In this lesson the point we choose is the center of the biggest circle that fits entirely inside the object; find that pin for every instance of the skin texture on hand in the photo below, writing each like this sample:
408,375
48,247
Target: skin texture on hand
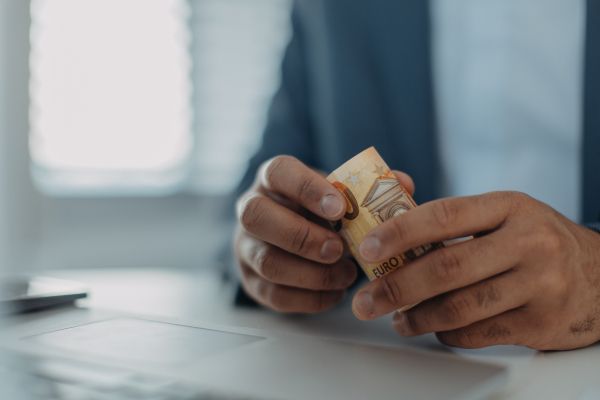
529,276
289,257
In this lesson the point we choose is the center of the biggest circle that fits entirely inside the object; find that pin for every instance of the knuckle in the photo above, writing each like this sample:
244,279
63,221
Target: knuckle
466,338
545,239
555,285
252,212
517,201
553,242
272,174
549,322
300,238
495,333
515,196
267,264
307,190
486,295
446,266
389,291
275,297
262,290
456,309
518,197
445,212
329,278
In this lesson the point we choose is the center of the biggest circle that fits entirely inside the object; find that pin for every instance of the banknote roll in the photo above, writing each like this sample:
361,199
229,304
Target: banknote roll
373,195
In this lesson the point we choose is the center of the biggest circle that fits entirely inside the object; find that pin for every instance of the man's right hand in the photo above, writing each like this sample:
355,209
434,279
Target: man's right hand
289,257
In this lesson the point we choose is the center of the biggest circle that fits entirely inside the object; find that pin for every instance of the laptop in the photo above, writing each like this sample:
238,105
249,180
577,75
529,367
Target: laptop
78,353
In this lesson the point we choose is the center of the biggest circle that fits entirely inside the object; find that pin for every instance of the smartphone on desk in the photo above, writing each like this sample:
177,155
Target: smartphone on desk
20,294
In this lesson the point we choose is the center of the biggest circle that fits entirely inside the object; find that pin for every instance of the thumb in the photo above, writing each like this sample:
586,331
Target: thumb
406,181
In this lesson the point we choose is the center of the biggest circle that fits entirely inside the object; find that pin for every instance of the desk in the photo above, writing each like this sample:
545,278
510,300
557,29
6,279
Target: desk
202,296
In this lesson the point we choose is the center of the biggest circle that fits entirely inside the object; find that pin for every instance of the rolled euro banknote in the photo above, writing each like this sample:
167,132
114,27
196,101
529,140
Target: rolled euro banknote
373,195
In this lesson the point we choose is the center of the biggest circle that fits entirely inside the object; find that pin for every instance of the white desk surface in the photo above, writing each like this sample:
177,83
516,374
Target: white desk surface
201,296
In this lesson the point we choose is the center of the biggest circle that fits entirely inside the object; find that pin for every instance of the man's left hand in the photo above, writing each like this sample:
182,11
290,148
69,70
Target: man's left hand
529,277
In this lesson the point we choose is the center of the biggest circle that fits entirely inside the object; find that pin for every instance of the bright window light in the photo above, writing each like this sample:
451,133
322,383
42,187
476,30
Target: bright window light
110,96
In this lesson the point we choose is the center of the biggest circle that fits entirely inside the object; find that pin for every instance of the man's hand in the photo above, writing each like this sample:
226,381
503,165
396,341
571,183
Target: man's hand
530,276
289,257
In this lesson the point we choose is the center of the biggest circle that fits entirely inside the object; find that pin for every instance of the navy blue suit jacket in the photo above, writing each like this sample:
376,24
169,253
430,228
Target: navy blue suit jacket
357,73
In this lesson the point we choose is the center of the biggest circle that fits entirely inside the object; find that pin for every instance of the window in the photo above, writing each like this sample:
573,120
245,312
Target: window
110,95
149,97
140,99
237,50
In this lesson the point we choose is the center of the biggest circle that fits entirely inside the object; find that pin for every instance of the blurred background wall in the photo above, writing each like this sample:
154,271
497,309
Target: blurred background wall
126,124
20,202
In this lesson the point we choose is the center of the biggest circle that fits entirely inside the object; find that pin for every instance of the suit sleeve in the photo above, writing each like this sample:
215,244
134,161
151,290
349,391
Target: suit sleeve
288,129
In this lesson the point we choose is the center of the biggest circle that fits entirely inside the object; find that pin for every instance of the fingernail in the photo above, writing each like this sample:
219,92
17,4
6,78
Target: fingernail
362,305
331,206
400,323
331,250
370,247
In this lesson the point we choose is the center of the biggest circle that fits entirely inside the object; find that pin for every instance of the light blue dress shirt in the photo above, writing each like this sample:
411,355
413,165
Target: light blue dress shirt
508,78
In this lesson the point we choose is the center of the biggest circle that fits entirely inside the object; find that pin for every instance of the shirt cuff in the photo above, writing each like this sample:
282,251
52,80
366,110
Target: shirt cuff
595,226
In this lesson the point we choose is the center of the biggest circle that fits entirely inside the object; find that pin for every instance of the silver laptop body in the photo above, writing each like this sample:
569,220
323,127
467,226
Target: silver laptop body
93,354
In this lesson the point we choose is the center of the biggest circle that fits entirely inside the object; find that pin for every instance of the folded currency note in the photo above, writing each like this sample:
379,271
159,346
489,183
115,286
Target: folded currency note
373,195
